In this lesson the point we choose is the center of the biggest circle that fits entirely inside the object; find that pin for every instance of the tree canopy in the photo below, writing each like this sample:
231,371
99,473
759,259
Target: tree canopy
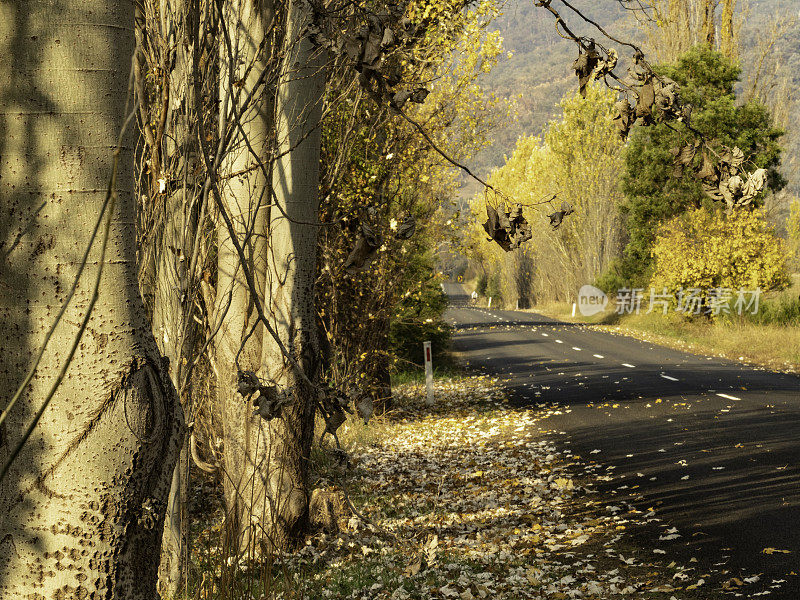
653,190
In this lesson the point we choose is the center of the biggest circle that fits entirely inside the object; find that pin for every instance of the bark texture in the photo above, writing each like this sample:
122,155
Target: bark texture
81,509
176,266
293,232
245,196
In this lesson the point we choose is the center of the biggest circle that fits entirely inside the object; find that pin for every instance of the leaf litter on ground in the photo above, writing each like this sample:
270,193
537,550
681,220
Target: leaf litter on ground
475,498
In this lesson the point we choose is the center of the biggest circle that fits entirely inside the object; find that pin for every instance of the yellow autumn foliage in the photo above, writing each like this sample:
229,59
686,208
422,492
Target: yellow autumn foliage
703,249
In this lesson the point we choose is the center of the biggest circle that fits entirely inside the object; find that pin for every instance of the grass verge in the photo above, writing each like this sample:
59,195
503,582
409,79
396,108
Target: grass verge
770,339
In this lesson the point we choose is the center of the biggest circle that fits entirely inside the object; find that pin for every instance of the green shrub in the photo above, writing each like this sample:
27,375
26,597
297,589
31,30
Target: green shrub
483,281
611,280
781,311
419,319
494,289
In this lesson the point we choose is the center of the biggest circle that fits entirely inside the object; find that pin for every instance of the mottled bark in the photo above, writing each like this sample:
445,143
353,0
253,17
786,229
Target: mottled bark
293,232
82,507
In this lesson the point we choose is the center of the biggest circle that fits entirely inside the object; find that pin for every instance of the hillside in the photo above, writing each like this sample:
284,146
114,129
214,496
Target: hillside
538,73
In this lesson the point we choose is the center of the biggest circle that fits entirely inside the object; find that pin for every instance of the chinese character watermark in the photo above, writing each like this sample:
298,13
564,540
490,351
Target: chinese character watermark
629,300
689,301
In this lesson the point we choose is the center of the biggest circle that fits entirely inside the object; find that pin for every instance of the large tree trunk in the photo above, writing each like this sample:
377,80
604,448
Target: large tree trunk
81,508
293,232
245,196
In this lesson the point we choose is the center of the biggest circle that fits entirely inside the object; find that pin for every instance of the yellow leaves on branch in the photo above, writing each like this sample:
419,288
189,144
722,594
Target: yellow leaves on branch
433,10
703,249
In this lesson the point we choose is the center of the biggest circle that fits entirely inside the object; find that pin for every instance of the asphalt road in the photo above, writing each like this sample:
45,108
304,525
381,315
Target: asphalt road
712,445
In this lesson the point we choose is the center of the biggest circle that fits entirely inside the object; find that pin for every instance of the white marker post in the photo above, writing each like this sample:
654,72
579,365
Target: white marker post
426,348
490,303
574,306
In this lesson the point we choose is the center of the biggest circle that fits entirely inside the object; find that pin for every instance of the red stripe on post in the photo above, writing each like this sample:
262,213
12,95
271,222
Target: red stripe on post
427,355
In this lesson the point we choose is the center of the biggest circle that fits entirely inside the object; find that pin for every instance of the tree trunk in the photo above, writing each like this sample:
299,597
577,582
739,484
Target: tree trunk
709,22
82,506
727,31
245,196
175,331
293,233
176,256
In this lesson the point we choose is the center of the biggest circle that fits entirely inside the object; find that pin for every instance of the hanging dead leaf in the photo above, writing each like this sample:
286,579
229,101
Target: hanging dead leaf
418,95
494,230
623,118
684,157
334,420
364,252
389,38
645,101
707,169
666,102
711,189
269,402
753,186
557,217
247,383
520,228
406,228
686,114
585,65
372,54
609,64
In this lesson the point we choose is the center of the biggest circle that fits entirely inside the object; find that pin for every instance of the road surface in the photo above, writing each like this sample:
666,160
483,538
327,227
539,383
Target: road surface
711,444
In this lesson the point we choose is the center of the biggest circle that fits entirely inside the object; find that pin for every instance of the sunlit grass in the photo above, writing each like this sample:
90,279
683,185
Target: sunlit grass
771,338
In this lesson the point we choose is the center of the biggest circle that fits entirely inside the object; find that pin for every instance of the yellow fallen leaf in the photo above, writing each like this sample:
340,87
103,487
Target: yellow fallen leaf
775,551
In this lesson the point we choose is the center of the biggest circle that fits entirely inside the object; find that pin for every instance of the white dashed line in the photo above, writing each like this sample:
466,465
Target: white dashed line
668,377
629,366
598,355
545,335
559,342
576,348
727,397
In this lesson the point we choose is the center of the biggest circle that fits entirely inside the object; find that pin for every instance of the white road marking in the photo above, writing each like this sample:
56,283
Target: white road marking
629,366
559,342
545,335
668,377
576,348
598,355
727,397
